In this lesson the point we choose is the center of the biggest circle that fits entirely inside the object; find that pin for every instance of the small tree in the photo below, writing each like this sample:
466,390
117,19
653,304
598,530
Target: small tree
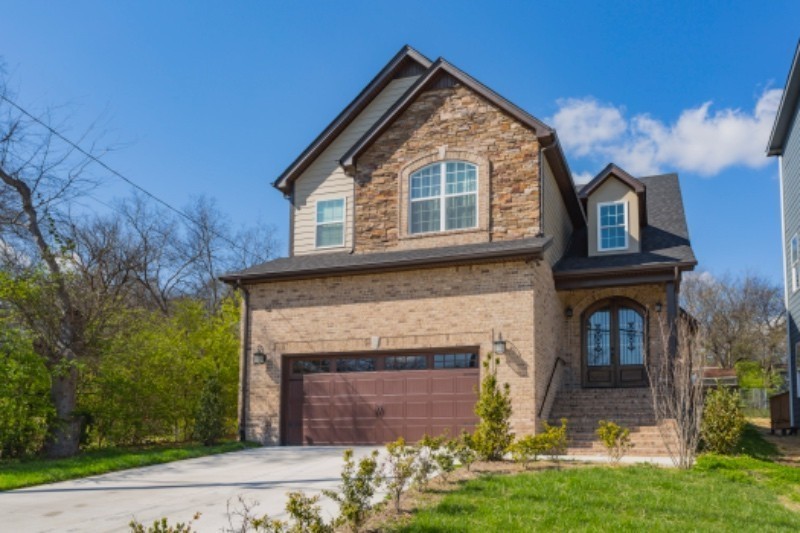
210,420
677,389
615,438
427,449
398,469
354,495
463,449
493,434
527,449
723,421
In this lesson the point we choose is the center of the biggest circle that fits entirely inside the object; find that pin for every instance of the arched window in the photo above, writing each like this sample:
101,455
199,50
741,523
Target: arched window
614,342
443,196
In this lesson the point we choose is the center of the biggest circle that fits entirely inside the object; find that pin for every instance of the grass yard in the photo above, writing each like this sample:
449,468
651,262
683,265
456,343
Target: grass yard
18,474
741,493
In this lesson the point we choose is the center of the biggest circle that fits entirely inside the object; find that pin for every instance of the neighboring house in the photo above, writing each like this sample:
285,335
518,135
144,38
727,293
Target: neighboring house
432,222
785,143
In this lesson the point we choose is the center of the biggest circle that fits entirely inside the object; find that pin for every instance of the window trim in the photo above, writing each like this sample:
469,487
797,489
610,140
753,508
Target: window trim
443,196
794,262
600,226
317,223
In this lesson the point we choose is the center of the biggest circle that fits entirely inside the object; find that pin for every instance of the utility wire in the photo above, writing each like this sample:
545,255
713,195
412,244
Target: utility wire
118,174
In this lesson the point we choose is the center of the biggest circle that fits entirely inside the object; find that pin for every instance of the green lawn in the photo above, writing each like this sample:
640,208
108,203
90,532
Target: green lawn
18,474
741,493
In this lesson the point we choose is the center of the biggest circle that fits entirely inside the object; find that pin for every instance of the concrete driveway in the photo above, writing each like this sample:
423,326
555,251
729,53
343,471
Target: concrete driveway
176,490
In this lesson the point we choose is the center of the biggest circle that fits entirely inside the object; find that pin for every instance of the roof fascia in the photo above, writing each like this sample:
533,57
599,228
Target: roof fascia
787,108
347,115
440,67
532,253
620,276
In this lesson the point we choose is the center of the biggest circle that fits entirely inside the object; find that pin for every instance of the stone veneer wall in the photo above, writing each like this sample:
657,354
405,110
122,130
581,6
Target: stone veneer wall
452,119
432,308
580,300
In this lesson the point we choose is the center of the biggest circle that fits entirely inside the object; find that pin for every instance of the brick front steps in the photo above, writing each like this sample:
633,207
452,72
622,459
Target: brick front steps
631,408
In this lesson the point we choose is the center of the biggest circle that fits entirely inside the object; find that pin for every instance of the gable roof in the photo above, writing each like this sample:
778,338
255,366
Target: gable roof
435,73
788,108
406,60
613,170
665,240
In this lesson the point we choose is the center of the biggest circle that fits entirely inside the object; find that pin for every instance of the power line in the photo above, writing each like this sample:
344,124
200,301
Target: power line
118,174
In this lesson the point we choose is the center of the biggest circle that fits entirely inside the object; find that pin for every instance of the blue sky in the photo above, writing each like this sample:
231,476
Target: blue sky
218,98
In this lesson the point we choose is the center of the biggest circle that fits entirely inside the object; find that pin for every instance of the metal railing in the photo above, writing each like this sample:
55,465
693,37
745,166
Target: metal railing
550,383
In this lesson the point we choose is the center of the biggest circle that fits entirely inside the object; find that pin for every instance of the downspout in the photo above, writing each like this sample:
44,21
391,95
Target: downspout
353,218
245,374
792,371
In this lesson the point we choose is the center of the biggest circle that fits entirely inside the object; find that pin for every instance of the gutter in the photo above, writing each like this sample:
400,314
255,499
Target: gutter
245,370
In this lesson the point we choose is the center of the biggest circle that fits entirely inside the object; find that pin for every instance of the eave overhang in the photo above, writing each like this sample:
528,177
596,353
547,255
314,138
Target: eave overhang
787,109
621,276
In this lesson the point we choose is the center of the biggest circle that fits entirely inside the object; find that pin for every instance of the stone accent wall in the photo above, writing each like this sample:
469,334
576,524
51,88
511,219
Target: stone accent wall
432,308
454,119
580,300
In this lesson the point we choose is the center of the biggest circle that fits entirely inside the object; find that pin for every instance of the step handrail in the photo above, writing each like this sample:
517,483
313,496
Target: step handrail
550,382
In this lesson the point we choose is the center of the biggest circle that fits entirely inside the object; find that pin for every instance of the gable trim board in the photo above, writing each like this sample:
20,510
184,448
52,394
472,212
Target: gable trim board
786,110
393,68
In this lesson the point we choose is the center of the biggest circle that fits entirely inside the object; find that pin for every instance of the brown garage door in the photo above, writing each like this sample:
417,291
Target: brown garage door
374,399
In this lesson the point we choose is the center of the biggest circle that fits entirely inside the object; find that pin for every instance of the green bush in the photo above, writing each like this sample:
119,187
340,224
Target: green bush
25,406
528,449
615,438
554,439
398,469
723,421
463,449
493,434
210,418
354,495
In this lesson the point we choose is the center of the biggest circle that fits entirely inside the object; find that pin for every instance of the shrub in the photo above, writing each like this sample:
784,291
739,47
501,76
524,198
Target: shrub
25,406
427,448
723,421
163,526
445,459
210,417
554,439
528,448
398,469
463,449
615,438
354,495
493,434
304,517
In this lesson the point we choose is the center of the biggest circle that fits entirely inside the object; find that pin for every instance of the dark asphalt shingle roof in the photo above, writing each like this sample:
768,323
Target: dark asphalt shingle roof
665,240
341,262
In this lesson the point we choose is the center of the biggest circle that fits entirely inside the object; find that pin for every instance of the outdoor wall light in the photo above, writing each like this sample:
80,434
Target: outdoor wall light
499,345
568,312
259,357
658,307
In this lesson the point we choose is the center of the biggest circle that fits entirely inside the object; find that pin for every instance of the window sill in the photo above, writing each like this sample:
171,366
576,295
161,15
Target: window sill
446,233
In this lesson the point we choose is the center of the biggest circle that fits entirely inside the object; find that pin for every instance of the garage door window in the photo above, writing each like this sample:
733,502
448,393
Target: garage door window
311,366
455,360
406,362
360,364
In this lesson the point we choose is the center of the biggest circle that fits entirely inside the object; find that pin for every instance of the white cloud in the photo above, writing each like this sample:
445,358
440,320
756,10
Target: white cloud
582,178
701,140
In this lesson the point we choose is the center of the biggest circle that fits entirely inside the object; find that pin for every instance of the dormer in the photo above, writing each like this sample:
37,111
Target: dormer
614,202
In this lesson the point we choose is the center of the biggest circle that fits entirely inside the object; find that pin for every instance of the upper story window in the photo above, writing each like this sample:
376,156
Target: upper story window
612,226
444,196
330,223
794,260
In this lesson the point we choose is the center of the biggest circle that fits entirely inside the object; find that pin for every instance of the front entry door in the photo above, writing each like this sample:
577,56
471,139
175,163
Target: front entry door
614,346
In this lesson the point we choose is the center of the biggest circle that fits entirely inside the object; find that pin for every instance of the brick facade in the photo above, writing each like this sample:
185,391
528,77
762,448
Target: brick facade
458,120
433,308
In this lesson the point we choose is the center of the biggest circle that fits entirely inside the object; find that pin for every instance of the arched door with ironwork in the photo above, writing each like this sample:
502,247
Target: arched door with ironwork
614,345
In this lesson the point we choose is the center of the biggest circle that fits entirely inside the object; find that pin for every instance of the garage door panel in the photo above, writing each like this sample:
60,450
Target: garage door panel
376,407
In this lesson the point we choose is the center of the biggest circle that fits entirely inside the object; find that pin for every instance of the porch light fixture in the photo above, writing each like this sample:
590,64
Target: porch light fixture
568,312
499,345
658,307
259,357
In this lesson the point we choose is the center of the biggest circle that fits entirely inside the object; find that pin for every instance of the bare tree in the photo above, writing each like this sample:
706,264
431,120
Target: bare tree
677,389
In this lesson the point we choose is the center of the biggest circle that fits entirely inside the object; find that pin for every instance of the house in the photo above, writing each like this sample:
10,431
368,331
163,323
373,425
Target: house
785,143
432,222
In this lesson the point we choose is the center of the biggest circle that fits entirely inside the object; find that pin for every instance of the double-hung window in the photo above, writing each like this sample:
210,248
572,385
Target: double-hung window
612,226
794,260
330,223
443,196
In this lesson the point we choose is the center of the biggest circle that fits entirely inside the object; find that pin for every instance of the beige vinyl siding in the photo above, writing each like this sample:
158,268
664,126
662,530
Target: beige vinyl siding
555,218
614,190
324,179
